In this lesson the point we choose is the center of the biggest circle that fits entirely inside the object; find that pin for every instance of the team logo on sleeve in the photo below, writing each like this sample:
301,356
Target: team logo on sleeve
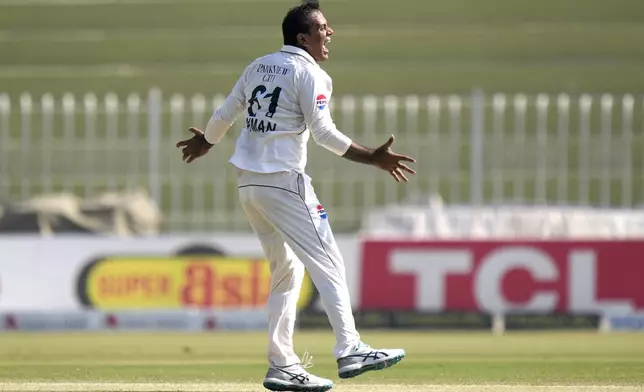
321,101
321,211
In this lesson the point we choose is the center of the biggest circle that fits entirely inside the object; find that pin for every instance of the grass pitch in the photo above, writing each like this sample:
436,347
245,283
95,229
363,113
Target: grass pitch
435,362
234,387
380,46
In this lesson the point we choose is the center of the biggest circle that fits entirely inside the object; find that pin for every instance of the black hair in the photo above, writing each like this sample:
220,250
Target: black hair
298,20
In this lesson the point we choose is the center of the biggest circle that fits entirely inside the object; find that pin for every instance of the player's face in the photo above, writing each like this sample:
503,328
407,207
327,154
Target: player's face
316,41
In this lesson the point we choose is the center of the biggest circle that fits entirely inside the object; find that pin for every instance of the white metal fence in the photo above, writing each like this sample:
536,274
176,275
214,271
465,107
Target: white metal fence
475,148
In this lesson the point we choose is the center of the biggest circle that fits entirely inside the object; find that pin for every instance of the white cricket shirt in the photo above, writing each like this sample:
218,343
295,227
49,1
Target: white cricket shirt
284,97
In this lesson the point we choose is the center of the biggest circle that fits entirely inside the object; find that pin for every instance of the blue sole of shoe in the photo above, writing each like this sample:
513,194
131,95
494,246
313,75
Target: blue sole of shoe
295,388
376,366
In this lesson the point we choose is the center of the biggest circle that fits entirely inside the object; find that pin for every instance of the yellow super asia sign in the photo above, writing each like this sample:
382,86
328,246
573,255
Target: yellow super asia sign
180,282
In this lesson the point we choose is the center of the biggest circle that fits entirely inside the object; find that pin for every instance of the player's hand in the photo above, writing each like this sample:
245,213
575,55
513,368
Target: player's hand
389,161
194,147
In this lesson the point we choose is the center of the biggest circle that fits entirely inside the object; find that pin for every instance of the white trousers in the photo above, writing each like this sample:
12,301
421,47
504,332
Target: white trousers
295,234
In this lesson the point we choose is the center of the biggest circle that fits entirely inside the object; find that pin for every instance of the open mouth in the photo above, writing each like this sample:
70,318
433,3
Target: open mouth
326,42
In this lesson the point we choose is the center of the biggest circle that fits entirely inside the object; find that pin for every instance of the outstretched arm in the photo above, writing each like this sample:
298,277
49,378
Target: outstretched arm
381,157
218,124
314,93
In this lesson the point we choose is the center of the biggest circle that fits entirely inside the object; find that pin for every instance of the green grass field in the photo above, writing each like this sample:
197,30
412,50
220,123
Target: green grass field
380,46
549,361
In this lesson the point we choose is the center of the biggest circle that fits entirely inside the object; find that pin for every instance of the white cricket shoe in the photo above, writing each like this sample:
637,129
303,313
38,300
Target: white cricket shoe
364,358
295,378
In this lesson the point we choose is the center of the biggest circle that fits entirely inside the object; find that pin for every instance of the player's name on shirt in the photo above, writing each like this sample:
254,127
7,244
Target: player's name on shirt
261,126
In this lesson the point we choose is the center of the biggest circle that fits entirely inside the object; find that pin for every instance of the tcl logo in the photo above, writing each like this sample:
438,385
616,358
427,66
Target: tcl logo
574,277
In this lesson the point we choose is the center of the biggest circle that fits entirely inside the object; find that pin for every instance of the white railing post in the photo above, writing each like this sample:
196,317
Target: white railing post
498,150
218,184
412,105
177,109
627,142
5,147
606,148
391,125
477,147
155,110
47,140
91,142
542,149
434,142
68,137
198,108
585,104
454,105
112,139
26,110
563,129
520,108
370,116
133,129
348,109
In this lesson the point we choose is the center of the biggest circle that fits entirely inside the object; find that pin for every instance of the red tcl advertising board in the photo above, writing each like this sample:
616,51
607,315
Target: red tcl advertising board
501,276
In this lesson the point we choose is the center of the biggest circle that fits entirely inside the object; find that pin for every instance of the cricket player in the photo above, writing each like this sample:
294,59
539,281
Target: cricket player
284,97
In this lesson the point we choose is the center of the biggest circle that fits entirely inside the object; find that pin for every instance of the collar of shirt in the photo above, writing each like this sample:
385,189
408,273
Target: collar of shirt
299,52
